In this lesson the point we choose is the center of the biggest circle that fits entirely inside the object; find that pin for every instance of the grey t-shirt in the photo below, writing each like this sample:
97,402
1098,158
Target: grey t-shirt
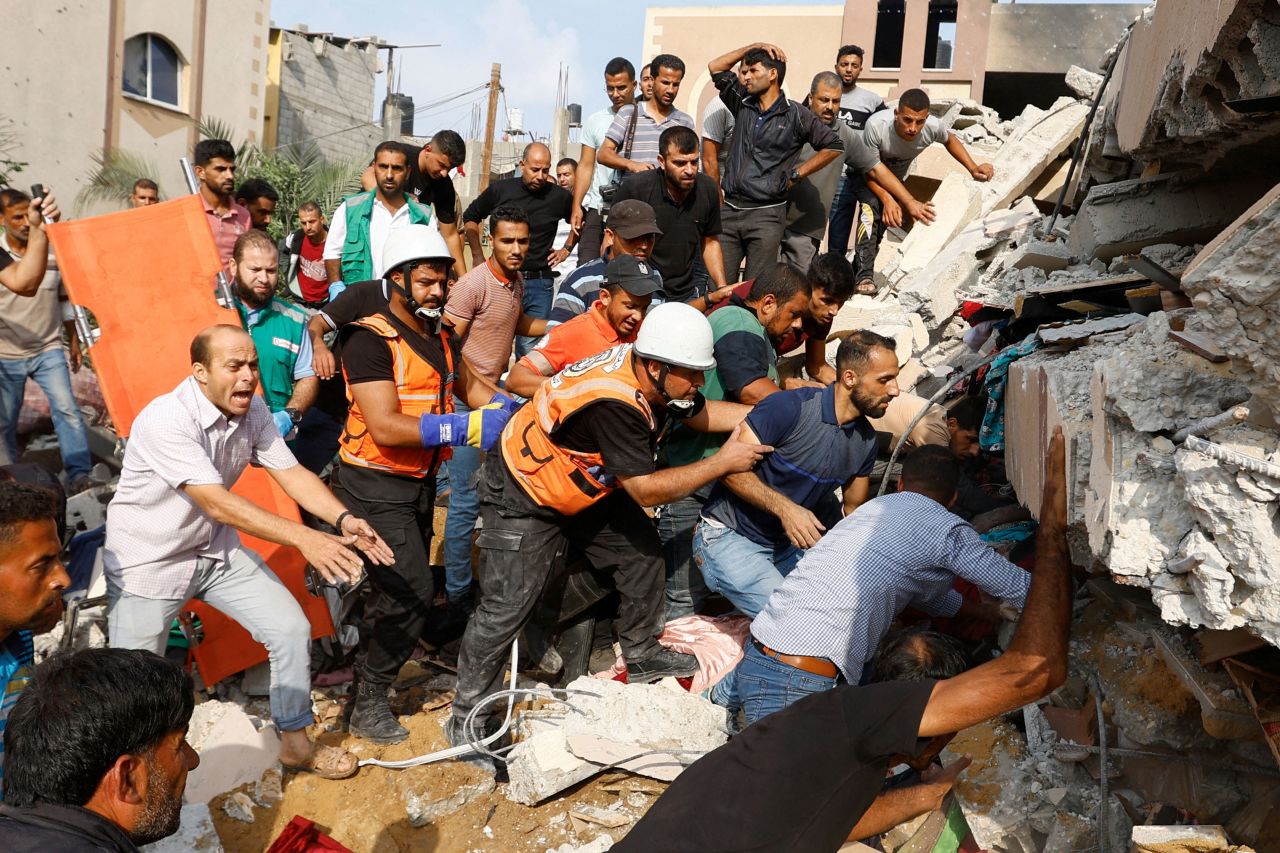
858,106
30,325
879,143
717,125
809,201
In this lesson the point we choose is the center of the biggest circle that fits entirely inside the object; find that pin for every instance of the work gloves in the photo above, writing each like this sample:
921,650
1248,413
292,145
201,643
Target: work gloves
478,428
335,290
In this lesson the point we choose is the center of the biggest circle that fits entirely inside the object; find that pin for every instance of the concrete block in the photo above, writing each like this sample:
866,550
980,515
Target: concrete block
1122,217
423,810
1181,839
1042,254
1000,222
956,203
638,717
884,317
1023,158
932,291
196,832
233,750
1084,83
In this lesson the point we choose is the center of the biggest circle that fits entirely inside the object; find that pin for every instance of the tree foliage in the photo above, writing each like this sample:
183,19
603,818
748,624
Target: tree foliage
10,165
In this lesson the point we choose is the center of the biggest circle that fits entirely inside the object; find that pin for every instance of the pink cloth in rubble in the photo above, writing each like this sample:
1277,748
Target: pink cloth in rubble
716,641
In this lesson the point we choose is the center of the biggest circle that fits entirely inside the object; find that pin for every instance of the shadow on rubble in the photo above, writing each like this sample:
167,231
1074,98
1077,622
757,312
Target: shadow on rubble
404,837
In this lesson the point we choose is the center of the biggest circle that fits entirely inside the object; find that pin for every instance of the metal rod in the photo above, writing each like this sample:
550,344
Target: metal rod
1252,464
1245,769
1234,415
225,297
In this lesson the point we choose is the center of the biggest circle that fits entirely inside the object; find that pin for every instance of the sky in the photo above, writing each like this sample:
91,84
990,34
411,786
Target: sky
531,39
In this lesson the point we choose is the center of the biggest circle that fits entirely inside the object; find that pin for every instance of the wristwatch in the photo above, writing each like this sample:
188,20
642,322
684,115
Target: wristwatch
794,176
294,414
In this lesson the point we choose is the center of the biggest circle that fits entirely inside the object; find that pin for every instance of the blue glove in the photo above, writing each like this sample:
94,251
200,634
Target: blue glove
480,428
507,404
283,422
336,289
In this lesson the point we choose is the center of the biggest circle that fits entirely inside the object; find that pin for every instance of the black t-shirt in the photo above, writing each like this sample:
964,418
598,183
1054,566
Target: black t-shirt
683,226
617,432
436,192
794,782
545,208
367,358
5,260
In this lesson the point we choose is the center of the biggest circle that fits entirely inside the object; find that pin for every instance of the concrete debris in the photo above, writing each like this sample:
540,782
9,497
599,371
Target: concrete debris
1077,333
932,292
1183,839
1038,140
1043,255
639,717
422,810
235,749
886,317
1083,82
956,203
196,833
599,844
1124,216
239,807
610,818
999,222
269,790
90,633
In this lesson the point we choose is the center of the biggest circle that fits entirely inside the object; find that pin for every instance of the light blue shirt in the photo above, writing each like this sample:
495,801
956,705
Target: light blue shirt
897,551
593,131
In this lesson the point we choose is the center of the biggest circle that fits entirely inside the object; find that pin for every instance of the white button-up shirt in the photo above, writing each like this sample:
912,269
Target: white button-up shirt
155,532
381,223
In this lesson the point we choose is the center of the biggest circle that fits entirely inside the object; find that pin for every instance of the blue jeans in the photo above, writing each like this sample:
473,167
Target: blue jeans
458,475
685,590
840,223
538,293
49,370
743,571
764,686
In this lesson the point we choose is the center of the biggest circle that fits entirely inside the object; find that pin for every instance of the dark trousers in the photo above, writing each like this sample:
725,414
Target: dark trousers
400,509
590,236
317,440
520,552
751,233
856,212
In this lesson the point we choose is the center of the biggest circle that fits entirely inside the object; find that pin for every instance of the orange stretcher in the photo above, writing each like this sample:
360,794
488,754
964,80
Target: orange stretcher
146,275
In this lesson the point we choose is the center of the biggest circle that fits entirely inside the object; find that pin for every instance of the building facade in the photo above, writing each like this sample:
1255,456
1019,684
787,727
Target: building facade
130,75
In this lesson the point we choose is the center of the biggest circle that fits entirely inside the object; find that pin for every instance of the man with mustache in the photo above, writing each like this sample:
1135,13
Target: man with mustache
214,164
32,580
402,369
756,526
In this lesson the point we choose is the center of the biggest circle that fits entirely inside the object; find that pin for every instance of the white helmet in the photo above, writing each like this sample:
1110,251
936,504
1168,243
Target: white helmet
677,334
413,243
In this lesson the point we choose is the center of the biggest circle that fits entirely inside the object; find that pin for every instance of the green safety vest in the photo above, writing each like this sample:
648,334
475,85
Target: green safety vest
357,259
277,334
686,445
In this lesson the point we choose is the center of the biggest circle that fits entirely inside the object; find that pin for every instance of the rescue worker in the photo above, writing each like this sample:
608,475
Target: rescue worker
400,366
572,470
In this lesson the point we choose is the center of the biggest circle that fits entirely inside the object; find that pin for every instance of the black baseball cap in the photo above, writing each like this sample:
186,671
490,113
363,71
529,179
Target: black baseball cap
631,218
633,275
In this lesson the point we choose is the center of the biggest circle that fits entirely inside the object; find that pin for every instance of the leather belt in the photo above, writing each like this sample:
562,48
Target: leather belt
816,666
541,272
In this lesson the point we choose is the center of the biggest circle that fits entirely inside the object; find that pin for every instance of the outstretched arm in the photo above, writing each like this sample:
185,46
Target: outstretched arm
1036,661
978,171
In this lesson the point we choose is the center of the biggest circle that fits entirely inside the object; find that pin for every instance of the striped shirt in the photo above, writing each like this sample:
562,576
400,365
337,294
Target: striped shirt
17,657
155,533
897,551
491,305
644,145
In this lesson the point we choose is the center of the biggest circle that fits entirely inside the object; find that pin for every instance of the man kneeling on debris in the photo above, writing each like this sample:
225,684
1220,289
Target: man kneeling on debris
824,621
171,531
832,748
575,466
97,754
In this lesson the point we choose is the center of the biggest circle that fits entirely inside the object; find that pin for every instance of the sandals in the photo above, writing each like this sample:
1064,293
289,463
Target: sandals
327,762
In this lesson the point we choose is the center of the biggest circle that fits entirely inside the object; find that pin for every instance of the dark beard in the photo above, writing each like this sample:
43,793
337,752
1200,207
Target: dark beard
161,813
868,405
248,297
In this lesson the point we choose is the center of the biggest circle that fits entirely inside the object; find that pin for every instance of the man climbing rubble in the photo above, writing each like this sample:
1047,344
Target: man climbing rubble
834,747
574,468
882,154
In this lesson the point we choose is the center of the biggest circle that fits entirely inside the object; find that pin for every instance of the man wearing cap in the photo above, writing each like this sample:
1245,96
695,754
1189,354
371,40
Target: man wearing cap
402,369
631,229
573,469
614,318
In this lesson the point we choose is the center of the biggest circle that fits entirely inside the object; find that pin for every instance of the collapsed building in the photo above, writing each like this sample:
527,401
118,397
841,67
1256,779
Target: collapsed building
1123,263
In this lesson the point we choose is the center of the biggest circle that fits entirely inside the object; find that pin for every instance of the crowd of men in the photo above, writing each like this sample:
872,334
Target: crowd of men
623,415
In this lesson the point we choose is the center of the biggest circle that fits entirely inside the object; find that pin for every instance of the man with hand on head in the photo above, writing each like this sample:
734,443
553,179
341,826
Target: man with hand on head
171,531
402,369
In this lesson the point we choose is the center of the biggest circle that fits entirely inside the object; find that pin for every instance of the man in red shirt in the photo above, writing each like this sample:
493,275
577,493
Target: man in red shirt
614,318
307,246
831,277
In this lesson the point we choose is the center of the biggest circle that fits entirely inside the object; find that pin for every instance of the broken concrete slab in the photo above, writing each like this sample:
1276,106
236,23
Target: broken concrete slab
196,833
931,292
423,810
599,844
1083,82
638,717
238,807
1077,333
1183,839
1046,255
235,749
956,204
1038,144
1000,222
1122,217
604,752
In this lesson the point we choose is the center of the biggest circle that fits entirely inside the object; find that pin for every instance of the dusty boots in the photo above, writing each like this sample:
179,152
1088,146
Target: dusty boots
371,718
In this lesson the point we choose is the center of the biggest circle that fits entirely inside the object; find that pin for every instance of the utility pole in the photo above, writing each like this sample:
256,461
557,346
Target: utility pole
486,159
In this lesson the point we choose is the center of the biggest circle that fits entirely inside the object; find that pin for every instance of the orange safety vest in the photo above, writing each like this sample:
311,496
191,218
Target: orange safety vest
421,389
569,481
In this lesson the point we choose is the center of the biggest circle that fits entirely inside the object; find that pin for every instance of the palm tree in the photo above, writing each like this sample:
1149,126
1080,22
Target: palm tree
9,166
112,178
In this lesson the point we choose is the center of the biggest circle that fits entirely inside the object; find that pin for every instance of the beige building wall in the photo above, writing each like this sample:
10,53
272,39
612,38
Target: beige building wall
809,35
67,101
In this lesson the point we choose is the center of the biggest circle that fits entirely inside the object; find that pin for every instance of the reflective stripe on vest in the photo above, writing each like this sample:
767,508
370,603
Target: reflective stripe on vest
569,481
421,390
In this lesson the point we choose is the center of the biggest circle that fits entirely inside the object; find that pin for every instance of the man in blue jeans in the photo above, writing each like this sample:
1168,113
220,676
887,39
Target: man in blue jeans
31,325
756,526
